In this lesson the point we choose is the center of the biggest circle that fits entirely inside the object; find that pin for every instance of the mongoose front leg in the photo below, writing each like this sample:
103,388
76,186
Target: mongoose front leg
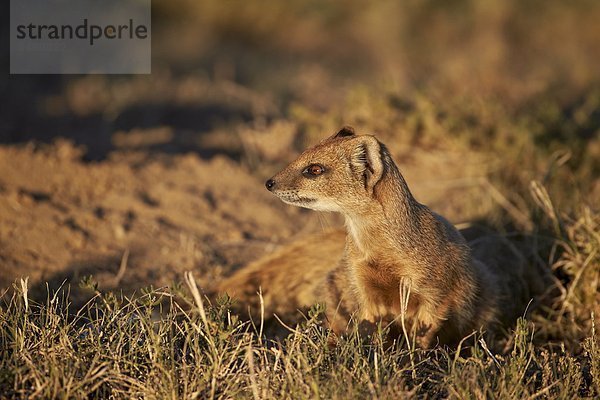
339,300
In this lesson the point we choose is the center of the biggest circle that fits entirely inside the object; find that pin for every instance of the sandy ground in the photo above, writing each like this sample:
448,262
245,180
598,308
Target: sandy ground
61,218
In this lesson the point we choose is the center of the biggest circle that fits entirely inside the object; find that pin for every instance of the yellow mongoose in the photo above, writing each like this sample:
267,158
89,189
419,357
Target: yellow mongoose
395,249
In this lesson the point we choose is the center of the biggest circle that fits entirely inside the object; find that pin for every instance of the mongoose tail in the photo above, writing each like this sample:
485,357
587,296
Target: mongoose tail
289,279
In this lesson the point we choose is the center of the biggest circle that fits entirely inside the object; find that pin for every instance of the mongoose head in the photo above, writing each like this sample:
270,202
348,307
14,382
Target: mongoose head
338,174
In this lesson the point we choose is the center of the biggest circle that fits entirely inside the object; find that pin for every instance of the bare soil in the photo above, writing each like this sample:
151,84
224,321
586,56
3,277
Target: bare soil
61,218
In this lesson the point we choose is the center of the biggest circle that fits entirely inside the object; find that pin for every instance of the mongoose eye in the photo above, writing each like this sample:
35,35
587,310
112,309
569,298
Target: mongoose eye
313,170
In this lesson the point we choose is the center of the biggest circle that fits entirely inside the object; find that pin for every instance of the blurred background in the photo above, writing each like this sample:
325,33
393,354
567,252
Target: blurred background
134,179
519,54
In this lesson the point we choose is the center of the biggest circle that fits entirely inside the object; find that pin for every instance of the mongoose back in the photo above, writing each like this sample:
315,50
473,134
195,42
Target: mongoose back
400,260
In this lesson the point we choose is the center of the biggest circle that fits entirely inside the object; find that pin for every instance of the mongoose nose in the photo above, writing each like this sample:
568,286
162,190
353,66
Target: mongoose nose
270,184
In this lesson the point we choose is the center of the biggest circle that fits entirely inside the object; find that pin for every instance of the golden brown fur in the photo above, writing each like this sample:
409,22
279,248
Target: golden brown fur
393,244
288,279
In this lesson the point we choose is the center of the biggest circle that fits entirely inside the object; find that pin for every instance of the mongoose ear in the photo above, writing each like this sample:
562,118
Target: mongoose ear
344,132
366,161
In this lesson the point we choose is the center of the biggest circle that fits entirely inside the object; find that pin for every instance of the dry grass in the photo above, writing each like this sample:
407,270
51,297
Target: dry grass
121,348
503,93
172,343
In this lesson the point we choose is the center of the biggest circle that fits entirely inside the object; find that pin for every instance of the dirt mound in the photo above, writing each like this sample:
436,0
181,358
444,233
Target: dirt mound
128,222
